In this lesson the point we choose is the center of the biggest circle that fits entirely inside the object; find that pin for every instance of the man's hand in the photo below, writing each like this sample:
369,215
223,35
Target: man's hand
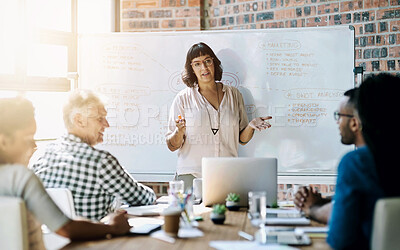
306,198
119,222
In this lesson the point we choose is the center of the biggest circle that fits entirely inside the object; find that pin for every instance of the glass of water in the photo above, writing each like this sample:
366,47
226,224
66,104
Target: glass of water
175,192
258,213
258,206
176,187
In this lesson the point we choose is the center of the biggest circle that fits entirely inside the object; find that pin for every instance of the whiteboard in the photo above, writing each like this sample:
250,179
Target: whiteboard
297,76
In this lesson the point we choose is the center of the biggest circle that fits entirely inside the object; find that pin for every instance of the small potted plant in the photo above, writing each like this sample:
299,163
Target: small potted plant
218,214
275,205
232,202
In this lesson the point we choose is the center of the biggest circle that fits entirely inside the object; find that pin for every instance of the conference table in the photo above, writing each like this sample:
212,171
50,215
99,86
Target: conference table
235,221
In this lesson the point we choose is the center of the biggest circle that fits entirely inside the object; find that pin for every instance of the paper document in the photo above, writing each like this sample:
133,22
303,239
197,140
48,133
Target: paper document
283,217
282,211
182,233
314,232
151,210
287,221
137,222
286,204
163,200
244,245
298,229
282,221
314,229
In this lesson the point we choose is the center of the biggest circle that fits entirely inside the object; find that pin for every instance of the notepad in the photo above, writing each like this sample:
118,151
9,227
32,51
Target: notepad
246,245
312,232
144,226
315,232
287,221
150,210
163,200
287,238
283,217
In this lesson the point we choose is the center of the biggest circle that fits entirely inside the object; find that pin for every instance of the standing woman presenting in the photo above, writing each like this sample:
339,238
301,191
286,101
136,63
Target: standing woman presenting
207,119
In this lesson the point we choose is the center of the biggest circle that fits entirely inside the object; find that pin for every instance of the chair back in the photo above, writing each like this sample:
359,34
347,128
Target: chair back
63,199
386,224
13,224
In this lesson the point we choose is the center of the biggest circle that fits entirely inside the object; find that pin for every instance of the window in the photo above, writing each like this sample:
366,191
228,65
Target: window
38,48
38,44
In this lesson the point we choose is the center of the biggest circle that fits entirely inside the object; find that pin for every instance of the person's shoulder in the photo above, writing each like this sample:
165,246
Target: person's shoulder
102,154
185,95
186,91
360,158
106,158
361,152
231,90
53,146
15,169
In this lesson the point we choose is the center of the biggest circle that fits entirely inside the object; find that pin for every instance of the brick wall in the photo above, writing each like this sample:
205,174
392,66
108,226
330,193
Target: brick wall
376,22
161,188
160,15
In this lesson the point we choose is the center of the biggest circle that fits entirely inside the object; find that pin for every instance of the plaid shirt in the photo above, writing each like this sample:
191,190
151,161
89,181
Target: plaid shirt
94,177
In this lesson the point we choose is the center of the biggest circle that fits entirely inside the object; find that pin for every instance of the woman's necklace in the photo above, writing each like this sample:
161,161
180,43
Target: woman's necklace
213,130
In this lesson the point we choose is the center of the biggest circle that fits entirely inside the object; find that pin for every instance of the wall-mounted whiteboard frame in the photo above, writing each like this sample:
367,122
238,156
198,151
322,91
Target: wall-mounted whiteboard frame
296,75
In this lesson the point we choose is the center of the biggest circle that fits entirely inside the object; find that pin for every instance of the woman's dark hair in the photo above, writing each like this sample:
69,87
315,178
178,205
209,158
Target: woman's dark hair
378,105
200,49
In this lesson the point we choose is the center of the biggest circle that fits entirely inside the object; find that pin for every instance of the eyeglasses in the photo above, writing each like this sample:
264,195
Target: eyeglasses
207,62
337,115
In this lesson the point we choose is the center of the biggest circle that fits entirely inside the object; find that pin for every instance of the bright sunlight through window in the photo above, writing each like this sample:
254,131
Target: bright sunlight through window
36,41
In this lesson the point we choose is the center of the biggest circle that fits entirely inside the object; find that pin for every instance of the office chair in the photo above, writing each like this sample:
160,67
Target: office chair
386,224
63,199
14,224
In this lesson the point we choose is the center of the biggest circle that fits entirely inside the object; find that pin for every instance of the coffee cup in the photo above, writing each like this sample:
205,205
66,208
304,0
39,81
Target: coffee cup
172,217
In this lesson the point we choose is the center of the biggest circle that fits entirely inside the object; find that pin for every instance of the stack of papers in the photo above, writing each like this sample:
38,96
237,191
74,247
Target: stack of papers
244,245
287,221
283,217
184,232
313,232
286,204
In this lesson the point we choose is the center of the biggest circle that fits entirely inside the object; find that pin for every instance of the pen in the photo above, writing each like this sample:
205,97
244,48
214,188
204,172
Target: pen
245,235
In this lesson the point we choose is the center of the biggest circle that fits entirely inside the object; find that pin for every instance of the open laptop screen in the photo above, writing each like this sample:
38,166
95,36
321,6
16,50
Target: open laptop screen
224,175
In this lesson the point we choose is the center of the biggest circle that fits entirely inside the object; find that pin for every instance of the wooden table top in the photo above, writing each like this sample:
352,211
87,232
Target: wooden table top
235,222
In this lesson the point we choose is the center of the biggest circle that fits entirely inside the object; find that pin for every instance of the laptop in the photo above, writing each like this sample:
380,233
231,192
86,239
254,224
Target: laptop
224,175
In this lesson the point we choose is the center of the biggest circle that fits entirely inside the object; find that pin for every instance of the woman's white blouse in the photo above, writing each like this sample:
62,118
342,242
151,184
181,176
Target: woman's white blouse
199,139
